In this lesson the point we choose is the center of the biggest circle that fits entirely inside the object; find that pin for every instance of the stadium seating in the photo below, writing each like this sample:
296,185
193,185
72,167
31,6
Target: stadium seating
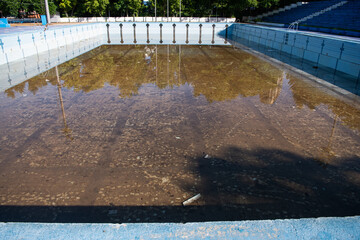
304,10
343,20
346,16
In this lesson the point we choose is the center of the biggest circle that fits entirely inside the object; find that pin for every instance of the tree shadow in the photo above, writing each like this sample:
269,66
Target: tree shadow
270,183
241,185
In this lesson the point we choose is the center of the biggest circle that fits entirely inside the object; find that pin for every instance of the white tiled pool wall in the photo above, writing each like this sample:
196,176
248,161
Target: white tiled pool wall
338,54
209,33
27,54
24,44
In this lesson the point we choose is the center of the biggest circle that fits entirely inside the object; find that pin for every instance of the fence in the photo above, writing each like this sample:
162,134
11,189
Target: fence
142,19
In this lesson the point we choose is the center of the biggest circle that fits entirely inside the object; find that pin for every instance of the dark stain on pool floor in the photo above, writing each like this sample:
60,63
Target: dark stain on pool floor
130,132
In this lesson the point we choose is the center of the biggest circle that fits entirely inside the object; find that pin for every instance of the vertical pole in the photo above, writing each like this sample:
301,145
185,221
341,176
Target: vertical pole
179,63
147,33
60,96
200,33
226,33
108,33
174,25
167,10
47,12
213,34
134,25
161,25
67,130
121,34
156,67
155,12
168,60
180,10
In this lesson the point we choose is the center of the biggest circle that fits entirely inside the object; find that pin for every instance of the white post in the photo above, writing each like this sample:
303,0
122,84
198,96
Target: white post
155,12
47,12
167,10
180,10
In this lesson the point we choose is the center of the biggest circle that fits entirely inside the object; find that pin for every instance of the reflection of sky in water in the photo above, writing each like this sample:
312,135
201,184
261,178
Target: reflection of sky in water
130,126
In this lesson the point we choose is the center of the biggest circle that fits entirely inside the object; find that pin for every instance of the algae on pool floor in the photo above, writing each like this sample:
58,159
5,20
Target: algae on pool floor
129,139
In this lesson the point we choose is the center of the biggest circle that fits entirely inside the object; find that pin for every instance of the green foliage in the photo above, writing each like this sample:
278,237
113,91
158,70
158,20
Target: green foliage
67,5
189,8
268,3
10,7
96,7
37,5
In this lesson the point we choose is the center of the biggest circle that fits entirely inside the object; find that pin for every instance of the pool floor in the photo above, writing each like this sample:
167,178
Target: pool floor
130,132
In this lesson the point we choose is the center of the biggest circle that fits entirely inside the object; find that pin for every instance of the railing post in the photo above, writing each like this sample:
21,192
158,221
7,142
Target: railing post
213,34
187,34
226,33
174,25
200,26
147,33
121,33
134,25
108,33
161,25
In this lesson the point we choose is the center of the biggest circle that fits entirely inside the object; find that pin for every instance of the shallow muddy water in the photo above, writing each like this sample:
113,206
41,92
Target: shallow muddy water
127,133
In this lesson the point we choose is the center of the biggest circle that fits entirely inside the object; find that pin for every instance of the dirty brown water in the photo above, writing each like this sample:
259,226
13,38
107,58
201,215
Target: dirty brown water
133,131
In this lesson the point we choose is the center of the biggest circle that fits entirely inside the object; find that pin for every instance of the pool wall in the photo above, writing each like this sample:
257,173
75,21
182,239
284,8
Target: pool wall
339,54
25,54
29,53
27,43
166,33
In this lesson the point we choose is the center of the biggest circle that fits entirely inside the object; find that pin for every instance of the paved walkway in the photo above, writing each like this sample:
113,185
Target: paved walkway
320,228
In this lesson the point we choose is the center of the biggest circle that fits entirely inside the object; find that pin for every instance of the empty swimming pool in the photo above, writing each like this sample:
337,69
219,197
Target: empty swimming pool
128,133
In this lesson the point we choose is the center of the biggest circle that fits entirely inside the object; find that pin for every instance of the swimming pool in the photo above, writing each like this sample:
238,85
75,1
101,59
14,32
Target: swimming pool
126,133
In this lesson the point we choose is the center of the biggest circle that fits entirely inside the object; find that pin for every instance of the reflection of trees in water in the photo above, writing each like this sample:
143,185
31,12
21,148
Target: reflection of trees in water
214,72
33,85
209,71
219,76
305,94
270,96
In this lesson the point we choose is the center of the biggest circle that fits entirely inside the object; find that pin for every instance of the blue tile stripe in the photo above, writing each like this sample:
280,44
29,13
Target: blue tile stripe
315,228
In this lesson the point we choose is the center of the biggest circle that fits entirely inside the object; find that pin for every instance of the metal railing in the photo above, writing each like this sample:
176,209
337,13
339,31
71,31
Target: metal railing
142,19
293,26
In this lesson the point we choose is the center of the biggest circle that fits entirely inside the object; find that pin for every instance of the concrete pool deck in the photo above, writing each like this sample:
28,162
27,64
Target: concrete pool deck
307,228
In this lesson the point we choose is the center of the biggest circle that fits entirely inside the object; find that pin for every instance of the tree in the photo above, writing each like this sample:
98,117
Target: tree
67,5
10,7
96,7
267,3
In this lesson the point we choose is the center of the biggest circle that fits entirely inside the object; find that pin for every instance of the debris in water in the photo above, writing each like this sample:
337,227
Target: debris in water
47,80
191,200
207,156
178,137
